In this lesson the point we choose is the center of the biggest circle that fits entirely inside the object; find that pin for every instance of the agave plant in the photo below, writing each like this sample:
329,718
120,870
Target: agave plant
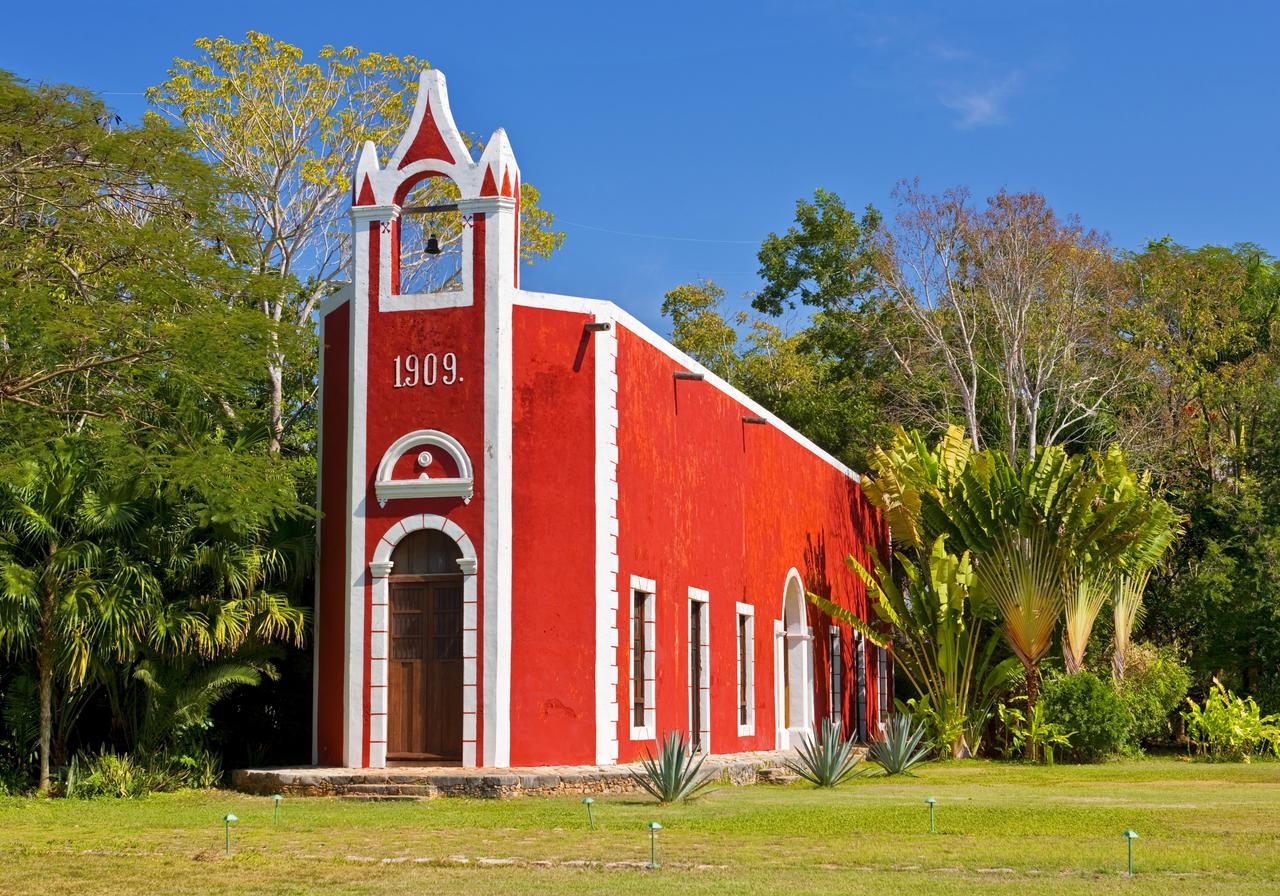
828,759
673,774
898,748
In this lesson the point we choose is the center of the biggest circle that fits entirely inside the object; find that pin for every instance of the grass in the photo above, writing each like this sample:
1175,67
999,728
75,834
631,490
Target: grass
1002,829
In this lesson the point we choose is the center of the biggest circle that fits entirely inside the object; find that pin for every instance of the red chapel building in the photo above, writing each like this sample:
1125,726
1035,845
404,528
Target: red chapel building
549,537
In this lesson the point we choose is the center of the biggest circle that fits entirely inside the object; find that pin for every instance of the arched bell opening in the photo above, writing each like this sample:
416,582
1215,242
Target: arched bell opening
431,235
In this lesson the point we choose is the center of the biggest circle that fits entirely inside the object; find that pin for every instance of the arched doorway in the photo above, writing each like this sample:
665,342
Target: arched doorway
795,667
424,674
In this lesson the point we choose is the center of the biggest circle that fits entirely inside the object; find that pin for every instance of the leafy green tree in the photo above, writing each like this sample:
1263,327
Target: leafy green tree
699,329
824,261
1002,317
109,571
154,528
828,379
285,130
1206,319
1032,527
108,280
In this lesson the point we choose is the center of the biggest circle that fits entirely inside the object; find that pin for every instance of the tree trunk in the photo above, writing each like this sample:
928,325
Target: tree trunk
44,670
275,372
1070,661
45,662
1033,686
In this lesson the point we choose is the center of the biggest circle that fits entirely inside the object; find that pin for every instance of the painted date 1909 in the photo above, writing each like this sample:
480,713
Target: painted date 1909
426,370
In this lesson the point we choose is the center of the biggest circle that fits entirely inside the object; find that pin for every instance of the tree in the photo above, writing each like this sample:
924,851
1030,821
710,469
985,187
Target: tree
1003,318
1034,527
1017,305
126,341
66,586
942,625
1206,320
112,565
285,131
108,280
827,379
699,329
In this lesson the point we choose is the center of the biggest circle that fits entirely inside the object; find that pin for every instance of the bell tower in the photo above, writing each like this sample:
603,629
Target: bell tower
415,434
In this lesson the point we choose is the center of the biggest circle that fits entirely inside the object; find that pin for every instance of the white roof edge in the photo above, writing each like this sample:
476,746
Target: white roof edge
343,293
607,308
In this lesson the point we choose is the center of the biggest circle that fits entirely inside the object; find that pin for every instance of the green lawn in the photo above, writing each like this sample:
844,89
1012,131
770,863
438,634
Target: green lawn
1204,829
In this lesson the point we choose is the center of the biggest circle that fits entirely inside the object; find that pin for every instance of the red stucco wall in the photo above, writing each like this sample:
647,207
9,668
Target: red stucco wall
708,501
335,333
553,547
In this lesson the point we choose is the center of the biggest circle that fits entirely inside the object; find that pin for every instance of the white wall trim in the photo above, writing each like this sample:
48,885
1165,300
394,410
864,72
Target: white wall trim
335,299
429,301
605,346
366,274
380,569
747,728
499,263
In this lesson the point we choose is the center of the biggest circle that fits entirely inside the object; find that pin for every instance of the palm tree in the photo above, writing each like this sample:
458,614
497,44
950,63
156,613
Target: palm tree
1050,537
67,589
110,573
1124,532
940,621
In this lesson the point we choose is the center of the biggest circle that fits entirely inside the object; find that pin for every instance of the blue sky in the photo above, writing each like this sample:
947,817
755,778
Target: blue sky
670,138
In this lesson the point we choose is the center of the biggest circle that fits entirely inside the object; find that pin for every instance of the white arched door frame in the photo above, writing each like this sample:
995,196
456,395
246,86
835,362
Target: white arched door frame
793,666
380,570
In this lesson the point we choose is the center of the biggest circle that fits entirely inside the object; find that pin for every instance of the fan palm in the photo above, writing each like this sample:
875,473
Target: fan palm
66,586
940,621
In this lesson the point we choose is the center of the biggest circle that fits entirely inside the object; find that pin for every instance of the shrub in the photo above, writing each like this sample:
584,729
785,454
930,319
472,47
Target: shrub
109,774
898,748
1154,686
124,776
673,774
1091,710
826,760
1231,727
1030,734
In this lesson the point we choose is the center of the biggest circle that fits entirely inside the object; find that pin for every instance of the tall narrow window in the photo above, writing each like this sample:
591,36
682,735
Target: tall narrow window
746,669
882,682
642,660
860,687
837,677
639,647
699,672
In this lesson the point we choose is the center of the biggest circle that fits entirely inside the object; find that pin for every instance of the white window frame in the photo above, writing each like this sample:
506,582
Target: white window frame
648,588
699,601
749,612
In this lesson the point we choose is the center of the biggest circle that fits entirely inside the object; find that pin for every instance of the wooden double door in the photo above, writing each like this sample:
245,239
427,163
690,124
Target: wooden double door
424,712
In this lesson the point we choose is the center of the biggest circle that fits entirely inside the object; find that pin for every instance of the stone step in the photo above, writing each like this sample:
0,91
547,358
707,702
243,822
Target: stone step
382,798
777,775
388,791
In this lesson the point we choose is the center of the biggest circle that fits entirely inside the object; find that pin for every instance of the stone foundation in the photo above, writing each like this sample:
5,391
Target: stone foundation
430,782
